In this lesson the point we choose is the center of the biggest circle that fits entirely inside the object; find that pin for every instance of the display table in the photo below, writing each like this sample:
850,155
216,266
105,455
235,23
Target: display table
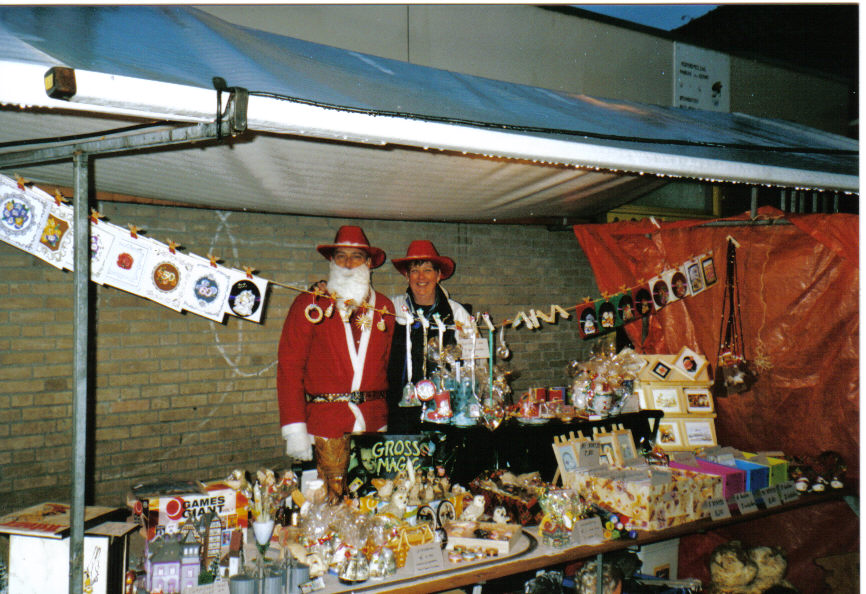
532,555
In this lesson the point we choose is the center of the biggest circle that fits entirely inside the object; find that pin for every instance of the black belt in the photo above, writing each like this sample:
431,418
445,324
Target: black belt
353,397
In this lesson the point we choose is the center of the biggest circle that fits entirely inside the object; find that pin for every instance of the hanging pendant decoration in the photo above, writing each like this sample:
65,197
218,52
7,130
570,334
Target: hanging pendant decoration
734,374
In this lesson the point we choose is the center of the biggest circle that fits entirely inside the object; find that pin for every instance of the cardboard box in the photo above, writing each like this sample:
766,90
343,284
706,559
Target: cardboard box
757,475
652,498
778,468
210,524
733,479
660,559
496,537
40,565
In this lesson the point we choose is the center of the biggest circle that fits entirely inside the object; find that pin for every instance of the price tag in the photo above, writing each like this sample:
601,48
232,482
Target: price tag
726,459
746,502
718,509
588,454
687,458
788,492
770,496
426,558
466,346
588,531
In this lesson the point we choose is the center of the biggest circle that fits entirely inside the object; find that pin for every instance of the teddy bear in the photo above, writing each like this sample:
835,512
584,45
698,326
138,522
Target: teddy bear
737,570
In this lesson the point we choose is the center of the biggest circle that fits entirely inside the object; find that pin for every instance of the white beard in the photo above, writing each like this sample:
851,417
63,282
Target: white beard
350,284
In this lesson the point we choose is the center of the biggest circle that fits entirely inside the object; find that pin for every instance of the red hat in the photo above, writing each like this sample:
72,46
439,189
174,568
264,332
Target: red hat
421,249
350,236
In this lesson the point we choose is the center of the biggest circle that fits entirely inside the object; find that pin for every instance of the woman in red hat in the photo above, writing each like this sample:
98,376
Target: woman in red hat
332,360
424,268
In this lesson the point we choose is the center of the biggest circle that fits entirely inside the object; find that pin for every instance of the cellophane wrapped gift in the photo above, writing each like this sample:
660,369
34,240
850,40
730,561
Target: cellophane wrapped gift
518,494
651,497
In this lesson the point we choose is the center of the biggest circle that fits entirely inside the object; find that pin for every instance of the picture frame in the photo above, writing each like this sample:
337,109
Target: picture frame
624,444
669,434
700,432
689,363
608,453
695,275
566,457
660,369
698,400
708,267
667,399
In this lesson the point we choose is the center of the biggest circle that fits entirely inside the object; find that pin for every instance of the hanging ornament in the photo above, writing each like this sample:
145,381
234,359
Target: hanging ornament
733,373
313,313
502,351
330,311
380,325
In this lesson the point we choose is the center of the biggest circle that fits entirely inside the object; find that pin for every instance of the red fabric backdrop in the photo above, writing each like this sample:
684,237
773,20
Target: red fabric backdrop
799,299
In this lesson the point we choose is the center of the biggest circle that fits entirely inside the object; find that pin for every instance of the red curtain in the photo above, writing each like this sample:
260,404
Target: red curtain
799,300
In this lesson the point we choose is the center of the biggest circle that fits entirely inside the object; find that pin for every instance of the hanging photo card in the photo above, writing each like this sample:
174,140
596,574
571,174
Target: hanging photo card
22,215
206,292
678,283
643,302
587,317
625,308
607,316
246,296
166,275
127,258
708,268
695,276
660,291
55,242
102,237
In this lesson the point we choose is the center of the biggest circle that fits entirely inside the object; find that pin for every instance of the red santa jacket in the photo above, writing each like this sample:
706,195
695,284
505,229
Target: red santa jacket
317,358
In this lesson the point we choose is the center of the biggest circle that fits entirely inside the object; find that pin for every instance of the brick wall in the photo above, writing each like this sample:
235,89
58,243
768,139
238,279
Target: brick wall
176,395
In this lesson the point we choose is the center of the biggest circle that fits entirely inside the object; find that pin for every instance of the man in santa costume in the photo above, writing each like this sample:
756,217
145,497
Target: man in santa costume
332,360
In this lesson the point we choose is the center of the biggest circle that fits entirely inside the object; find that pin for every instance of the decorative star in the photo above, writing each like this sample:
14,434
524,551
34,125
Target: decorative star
363,322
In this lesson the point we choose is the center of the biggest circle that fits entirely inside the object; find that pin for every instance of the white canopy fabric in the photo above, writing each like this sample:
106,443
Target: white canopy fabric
339,133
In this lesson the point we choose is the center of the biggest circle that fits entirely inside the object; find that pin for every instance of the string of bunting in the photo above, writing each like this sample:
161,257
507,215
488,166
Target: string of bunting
598,316
42,225
34,221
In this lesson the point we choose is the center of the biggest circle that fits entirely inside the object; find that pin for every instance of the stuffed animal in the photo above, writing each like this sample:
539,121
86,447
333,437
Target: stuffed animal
736,570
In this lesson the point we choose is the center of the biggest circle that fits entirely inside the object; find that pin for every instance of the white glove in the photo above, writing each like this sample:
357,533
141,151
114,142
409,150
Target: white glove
299,443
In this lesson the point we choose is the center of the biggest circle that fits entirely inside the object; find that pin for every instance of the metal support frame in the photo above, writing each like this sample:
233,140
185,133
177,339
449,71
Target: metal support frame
233,124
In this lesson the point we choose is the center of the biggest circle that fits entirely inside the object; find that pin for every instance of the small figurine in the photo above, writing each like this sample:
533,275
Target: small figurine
474,510
500,516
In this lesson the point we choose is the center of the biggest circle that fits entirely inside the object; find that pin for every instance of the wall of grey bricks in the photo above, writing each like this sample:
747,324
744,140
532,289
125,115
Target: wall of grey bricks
179,396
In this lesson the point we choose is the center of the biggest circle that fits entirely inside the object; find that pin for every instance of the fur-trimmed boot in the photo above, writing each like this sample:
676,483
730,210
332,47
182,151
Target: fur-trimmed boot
332,462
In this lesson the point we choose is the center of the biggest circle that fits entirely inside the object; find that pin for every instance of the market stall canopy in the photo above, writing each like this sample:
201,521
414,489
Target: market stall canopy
338,133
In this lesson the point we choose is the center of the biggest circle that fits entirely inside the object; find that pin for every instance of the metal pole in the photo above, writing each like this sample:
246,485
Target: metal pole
754,213
81,239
